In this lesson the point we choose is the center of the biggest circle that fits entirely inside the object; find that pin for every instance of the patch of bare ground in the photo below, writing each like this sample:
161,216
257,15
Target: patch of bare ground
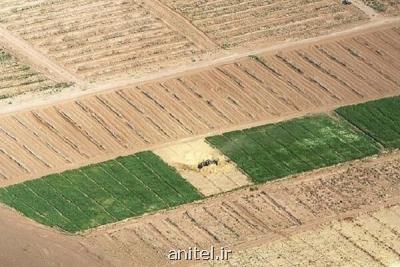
204,167
283,209
25,243
371,239
248,92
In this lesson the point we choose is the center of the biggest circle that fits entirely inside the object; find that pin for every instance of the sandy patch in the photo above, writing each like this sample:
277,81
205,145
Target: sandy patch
209,180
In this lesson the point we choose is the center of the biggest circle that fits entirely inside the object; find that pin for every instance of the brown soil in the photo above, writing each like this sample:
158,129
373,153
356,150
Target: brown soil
248,92
98,40
209,180
372,239
256,217
25,243
232,25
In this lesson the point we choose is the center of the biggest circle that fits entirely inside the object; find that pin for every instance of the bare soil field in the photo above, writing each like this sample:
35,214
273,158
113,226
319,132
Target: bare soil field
213,179
235,23
368,240
17,78
26,243
252,90
256,217
99,39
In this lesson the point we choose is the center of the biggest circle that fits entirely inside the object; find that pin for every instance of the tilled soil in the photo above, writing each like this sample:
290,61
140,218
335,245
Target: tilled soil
250,91
249,218
371,239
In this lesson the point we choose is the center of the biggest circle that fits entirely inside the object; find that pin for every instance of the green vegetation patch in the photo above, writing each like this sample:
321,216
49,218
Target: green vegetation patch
277,150
99,194
379,119
375,4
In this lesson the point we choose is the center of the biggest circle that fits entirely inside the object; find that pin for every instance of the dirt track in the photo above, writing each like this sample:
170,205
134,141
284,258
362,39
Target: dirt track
250,218
257,90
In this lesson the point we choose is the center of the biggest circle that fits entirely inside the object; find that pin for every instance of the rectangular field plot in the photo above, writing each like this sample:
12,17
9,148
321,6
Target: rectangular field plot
278,150
100,39
100,194
237,22
380,119
17,78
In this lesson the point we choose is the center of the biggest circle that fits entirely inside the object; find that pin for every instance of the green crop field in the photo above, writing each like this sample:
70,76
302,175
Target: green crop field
277,150
380,119
102,193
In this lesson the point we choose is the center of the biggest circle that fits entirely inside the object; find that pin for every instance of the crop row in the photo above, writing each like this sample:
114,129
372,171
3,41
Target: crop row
278,150
99,194
380,119
17,78
87,36
130,186
252,89
232,23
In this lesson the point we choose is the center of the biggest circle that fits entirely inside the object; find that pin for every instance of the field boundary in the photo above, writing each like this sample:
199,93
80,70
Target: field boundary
43,63
168,73
181,25
128,152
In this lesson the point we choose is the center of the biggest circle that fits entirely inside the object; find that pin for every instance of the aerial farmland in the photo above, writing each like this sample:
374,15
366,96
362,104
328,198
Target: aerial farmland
200,133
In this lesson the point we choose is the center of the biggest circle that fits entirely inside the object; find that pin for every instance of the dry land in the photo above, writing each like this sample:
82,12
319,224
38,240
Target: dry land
99,39
368,240
235,23
173,116
220,176
17,78
252,217
256,90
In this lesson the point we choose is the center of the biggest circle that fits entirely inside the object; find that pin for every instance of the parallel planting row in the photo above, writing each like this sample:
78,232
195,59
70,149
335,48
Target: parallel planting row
17,78
99,194
234,23
273,210
100,39
263,87
380,119
130,186
272,151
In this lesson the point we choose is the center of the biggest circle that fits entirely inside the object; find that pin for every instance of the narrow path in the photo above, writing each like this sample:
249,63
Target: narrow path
36,58
181,25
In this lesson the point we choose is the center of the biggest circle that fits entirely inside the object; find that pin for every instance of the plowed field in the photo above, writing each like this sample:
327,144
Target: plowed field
252,90
368,240
233,23
249,218
99,39
17,78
